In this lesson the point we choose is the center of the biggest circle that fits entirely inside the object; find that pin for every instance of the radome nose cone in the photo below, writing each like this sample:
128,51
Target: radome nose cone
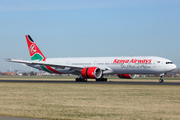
175,66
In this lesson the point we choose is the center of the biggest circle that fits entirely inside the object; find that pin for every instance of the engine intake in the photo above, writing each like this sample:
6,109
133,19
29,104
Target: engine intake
91,72
127,76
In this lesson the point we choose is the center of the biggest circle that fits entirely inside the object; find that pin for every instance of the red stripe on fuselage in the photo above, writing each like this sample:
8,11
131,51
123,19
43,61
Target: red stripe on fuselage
53,70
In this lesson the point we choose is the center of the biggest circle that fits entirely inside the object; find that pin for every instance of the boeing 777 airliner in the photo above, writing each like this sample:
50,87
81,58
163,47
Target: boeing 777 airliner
97,67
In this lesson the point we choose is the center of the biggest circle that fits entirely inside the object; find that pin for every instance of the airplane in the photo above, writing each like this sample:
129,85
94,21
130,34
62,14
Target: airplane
97,67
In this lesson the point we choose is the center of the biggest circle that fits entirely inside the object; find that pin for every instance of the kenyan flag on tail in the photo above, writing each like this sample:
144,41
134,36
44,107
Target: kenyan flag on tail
36,54
34,51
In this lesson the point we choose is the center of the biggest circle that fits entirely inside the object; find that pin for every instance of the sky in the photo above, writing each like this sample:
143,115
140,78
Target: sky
89,28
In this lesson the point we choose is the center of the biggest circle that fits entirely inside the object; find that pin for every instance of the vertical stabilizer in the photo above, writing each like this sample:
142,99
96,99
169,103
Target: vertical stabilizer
34,51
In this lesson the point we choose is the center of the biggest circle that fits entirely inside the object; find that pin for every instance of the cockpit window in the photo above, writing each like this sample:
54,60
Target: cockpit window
169,62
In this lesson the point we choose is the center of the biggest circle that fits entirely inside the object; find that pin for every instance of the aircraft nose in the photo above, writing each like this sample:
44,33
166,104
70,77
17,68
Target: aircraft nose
174,66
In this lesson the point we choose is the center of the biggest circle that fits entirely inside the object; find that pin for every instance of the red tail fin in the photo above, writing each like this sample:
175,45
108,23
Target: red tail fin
34,51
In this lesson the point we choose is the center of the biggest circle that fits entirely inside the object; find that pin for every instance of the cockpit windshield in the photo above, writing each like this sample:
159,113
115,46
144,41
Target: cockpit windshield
169,62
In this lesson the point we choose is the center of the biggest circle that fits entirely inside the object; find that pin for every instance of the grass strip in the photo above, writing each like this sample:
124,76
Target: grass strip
89,101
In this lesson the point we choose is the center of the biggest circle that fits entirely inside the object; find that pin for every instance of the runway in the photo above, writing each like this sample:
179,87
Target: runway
93,82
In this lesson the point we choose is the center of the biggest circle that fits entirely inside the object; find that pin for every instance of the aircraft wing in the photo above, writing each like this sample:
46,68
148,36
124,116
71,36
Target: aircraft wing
44,63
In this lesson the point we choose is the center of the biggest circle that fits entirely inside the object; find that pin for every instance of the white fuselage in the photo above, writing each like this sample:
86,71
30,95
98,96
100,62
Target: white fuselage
117,65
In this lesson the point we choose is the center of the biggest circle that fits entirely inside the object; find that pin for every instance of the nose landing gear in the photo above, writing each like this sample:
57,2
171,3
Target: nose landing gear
161,78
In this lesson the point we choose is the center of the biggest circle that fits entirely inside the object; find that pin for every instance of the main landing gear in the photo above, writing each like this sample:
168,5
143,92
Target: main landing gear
81,80
85,80
161,78
101,80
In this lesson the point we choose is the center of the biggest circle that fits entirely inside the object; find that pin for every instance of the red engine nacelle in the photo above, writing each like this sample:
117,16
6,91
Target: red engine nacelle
91,72
126,76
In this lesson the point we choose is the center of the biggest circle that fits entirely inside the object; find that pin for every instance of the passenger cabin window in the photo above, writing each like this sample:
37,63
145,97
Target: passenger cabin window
169,62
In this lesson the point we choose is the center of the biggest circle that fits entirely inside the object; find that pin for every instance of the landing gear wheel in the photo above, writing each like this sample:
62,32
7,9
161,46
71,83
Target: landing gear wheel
80,80
161,80
101,80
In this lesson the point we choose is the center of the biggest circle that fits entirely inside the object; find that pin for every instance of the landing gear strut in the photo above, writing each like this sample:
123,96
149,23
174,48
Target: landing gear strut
161,78
101,80
81,80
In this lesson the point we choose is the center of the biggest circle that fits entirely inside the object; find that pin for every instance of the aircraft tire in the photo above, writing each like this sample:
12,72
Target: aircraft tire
101,80
80,80
161,80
